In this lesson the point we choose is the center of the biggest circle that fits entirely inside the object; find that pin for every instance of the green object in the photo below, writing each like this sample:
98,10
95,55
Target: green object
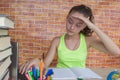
72,58
30,75
79,79
38,73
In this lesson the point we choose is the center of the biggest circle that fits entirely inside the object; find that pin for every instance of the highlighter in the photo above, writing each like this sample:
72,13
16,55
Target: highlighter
30,75
34,71
27,76
49,73
38,74
48,78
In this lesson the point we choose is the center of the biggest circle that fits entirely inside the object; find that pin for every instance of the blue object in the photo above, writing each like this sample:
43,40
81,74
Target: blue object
34,70
49,73
109,77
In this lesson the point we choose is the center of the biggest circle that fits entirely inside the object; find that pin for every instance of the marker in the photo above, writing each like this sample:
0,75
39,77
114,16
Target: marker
41,69
49,73
34,72
48,78
38,73
30,75
27,76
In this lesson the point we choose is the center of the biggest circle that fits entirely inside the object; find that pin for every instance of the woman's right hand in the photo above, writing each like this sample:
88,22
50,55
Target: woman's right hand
24,67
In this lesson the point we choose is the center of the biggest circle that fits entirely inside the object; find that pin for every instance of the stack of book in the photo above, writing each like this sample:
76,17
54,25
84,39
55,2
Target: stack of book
5,46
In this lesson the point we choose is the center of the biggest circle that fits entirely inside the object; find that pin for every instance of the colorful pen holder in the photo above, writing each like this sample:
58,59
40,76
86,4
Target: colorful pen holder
34,74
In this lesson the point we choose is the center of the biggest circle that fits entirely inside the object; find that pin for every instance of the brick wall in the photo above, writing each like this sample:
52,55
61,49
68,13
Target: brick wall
38,21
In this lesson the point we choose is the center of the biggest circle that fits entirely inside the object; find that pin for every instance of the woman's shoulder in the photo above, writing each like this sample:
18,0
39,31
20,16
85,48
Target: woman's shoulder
56,40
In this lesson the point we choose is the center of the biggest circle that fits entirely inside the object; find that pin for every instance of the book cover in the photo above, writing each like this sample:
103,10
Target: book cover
3,32
4,42
5,75
4,66
5,54
5,22
74,74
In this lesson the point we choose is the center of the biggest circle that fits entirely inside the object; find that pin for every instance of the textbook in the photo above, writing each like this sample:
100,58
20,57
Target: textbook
3,32
5,54
74,74
4,66
4,42
5,22
5,75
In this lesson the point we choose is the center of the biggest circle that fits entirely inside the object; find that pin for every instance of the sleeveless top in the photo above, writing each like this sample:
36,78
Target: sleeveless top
72,58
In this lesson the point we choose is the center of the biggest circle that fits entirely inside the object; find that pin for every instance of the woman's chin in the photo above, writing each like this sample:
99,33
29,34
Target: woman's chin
70,34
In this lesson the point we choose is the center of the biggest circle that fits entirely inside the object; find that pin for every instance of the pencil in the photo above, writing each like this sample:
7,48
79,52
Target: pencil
48,78
41,69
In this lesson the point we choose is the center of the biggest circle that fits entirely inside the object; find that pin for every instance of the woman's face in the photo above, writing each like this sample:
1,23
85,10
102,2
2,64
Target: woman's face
74,25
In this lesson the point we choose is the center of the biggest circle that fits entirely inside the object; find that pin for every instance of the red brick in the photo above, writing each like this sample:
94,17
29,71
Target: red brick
37,23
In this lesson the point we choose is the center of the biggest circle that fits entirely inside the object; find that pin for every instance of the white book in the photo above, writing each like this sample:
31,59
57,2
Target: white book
5,54
5,75
3,32
5,22
74,74
4,66
4,42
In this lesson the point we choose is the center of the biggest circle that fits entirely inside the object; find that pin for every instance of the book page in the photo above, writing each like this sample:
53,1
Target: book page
85,73
63,74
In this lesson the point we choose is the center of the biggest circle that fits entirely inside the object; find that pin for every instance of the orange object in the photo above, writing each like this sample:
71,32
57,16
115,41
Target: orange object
41,69
48,78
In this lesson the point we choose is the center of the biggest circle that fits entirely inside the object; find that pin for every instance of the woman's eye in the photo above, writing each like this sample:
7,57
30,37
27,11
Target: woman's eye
78,25
70,21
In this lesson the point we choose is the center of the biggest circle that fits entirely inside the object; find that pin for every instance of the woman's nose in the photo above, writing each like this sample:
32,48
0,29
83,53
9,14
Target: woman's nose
72,26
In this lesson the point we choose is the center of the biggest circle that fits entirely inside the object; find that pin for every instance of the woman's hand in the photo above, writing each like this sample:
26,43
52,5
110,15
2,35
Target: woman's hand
85,20
24,67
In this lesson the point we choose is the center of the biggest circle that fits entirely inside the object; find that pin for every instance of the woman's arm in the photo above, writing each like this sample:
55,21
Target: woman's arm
51,52
105,43
48,59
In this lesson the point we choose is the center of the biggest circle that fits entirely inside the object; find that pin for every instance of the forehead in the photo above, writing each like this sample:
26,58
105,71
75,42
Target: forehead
75,14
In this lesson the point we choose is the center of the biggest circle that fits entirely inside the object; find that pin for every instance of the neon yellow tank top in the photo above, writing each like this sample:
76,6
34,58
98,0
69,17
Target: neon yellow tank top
72,58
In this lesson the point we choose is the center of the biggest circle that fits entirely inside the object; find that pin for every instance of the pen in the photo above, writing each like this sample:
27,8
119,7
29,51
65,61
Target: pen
49,73
34,70
30,75
38,74
48,78
27,76
41,69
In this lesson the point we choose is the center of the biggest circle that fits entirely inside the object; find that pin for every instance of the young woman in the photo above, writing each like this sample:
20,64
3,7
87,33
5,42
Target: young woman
72,46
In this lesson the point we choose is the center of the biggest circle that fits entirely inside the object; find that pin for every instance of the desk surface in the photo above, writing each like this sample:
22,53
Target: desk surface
103,72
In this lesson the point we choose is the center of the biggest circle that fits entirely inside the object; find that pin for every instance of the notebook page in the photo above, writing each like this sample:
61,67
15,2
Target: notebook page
85,73
63,74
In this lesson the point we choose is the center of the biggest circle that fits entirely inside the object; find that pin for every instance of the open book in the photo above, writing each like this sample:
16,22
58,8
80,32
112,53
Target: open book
74,74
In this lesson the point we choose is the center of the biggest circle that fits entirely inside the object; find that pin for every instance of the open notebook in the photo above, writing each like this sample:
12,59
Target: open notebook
74,74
